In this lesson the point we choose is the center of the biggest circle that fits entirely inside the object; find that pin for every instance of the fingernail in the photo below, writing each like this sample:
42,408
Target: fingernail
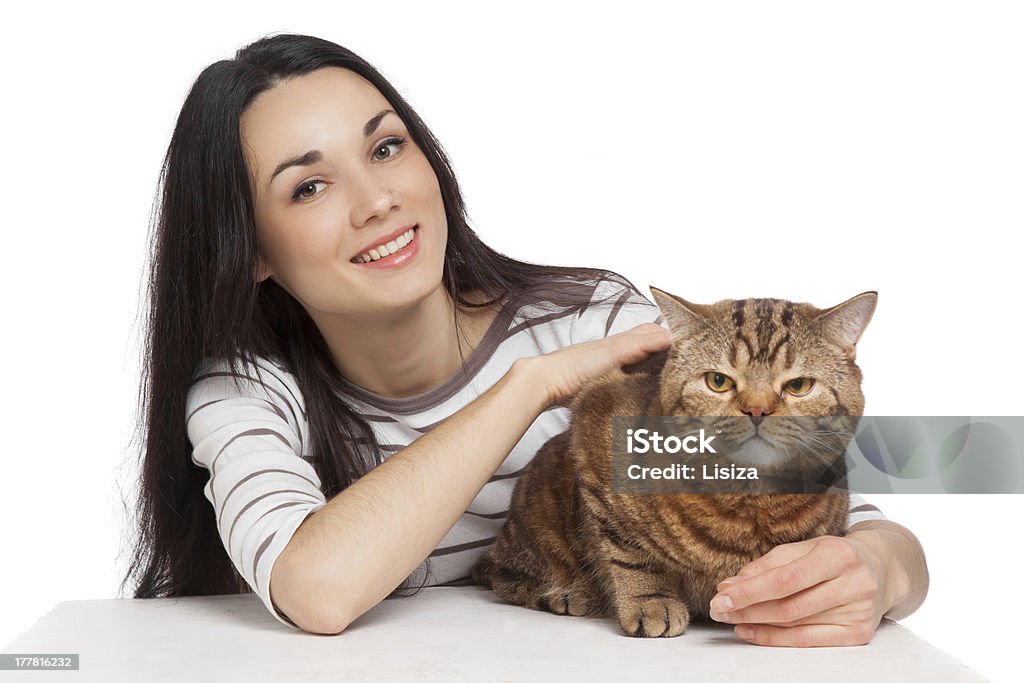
745,632
722,603
726,582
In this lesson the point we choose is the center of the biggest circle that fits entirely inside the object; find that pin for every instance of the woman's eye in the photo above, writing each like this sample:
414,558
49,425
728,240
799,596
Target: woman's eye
718,382
799,386
388,149
308,189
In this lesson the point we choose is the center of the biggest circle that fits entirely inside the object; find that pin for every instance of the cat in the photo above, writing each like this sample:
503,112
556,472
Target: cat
571,545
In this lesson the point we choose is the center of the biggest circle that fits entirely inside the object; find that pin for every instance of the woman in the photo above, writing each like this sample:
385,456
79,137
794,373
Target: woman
326,327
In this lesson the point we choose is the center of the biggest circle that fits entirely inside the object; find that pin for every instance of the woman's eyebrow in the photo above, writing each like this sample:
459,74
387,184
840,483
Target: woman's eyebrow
311,157
314,155
374,121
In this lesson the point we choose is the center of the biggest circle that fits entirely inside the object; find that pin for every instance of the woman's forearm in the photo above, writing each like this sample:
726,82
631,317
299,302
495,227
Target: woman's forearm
901,553
350,554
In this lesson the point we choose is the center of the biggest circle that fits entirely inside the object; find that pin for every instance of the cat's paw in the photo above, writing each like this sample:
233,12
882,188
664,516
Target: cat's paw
575,603
653,617
516,592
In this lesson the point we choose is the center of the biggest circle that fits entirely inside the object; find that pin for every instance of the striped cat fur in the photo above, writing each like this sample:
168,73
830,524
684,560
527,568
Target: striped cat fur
572,546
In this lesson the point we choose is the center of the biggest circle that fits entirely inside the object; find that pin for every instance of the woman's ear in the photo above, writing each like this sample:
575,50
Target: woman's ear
262,270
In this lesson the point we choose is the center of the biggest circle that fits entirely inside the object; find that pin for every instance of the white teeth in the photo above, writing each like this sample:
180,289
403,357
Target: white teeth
383,250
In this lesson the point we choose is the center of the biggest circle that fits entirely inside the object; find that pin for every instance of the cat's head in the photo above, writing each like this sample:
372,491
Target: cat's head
757,358
763,356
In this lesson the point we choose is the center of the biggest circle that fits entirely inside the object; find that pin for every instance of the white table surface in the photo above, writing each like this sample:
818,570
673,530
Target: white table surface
441,634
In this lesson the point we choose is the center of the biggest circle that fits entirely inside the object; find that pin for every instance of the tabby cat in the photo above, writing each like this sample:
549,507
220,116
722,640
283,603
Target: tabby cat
573,546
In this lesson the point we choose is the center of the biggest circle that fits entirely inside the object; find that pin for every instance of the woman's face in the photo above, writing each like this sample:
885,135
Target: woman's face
335,174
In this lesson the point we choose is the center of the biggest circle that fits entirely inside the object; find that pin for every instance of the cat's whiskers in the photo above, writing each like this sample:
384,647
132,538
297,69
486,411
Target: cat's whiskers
818,441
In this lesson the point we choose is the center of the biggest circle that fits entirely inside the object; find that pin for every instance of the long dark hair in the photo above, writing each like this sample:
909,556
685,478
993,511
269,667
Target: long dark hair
205,302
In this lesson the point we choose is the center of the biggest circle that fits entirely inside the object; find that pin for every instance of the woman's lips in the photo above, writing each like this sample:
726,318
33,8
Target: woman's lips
398,259
385,244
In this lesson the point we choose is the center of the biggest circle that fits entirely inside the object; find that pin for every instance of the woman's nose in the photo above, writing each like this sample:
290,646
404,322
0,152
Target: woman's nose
371,198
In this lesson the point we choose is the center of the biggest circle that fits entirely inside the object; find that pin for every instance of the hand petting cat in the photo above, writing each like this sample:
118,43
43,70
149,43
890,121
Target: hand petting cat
825,591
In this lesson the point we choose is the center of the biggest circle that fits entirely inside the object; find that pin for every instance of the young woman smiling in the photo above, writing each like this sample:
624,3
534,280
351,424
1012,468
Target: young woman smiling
351,379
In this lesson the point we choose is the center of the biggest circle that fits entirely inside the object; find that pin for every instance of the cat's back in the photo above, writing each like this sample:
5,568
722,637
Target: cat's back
628,391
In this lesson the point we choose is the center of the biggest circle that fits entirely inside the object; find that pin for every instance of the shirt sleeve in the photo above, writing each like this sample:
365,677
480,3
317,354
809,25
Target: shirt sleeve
861,510
614,307
248,430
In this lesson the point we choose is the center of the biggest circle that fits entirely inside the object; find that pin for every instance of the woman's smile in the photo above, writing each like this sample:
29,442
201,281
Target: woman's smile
393,251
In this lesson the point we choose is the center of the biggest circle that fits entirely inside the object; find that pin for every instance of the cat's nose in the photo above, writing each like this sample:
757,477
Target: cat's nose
757,414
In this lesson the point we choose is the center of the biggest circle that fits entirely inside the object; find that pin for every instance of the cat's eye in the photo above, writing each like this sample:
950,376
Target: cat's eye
718,382
800,386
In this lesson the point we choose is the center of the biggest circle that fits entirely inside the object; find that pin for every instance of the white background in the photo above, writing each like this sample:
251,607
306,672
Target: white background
808,150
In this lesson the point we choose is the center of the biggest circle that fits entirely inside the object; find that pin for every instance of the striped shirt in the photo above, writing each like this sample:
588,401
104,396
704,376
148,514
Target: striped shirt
254,438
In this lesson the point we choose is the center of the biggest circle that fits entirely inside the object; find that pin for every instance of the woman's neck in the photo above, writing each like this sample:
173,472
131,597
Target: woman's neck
407,354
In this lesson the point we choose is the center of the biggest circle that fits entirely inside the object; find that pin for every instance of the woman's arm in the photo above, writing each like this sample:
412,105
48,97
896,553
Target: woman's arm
906,571
350,554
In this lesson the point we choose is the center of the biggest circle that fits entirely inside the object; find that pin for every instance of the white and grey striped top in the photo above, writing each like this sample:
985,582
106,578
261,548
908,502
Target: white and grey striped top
254,438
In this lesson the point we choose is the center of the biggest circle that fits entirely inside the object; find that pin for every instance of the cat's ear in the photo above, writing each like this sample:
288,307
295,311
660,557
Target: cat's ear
845,323
683,317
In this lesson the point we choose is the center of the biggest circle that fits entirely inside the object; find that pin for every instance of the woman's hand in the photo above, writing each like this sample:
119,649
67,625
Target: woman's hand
563,372
825,591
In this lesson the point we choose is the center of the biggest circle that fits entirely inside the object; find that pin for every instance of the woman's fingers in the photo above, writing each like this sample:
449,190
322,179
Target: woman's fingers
776,557
856,613
641,341
824,561
816,635
623,348
567,369
816,604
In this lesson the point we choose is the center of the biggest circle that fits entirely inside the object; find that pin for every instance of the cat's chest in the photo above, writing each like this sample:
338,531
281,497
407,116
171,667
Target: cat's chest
712,534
